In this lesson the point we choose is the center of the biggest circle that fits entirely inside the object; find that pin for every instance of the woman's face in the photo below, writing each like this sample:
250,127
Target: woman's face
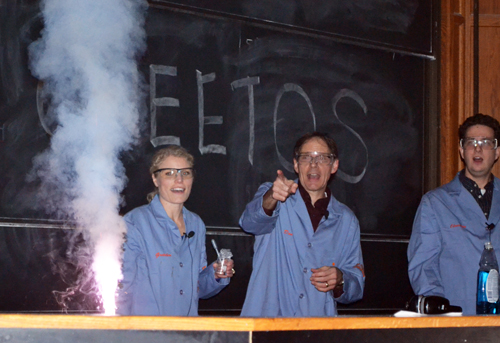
173,189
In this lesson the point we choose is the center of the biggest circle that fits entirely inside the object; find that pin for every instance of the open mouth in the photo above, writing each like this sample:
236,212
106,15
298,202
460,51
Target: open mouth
178,190
313,176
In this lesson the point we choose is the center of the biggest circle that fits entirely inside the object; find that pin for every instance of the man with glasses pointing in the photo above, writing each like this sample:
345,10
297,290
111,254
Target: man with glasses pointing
454,221
307,245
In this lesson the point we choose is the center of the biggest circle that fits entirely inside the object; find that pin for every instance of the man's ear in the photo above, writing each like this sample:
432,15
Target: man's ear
335,166
461,152
295,165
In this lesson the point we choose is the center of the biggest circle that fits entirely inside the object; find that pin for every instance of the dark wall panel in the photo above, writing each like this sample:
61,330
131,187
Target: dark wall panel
263,86
35,271
401,25
264,89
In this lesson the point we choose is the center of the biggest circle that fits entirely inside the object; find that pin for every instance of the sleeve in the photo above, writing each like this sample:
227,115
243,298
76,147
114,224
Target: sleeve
209,285
254,219
352,267
131,255
424,250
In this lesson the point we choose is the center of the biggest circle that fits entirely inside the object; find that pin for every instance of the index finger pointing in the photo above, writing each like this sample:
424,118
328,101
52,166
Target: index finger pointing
281,176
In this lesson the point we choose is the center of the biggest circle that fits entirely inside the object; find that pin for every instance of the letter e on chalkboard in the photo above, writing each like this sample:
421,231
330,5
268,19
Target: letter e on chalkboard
166,101
210,120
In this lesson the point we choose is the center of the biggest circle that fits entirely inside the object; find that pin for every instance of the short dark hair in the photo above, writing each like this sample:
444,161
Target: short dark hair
330,142
479,119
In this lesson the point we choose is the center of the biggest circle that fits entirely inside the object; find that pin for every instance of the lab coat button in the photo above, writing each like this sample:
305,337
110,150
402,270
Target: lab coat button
309,245
305,270
181,292
180,264
301,296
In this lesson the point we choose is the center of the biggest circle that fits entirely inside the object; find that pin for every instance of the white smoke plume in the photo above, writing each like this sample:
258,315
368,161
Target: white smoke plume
87,58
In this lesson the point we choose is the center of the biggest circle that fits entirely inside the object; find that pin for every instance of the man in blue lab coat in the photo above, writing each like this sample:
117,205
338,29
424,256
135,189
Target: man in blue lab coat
307,245
454,221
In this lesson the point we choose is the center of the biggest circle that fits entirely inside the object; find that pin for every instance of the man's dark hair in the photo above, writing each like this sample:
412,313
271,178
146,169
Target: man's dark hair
479,119
332,146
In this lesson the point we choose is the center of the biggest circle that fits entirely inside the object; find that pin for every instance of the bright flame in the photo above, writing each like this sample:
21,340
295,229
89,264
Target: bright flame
107,271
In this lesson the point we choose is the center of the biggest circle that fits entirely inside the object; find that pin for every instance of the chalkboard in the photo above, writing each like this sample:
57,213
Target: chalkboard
397,25
237,94
261,91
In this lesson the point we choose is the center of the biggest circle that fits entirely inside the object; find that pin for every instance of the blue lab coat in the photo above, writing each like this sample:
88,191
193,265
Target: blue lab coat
163,273
446,243
286,248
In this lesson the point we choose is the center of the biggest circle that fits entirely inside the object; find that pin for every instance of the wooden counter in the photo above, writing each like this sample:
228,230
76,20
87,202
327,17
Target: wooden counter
43,328
39,321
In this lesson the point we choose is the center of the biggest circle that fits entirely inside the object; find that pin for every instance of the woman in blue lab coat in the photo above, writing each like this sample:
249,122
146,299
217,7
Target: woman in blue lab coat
164,264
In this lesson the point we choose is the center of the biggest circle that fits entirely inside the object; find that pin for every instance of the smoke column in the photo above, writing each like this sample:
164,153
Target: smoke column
87,59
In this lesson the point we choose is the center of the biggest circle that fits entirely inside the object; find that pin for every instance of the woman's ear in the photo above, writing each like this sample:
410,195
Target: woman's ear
155,181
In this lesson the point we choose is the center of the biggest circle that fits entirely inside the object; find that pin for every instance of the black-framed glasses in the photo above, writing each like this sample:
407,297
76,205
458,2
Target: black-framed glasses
315,157
172,173
485,144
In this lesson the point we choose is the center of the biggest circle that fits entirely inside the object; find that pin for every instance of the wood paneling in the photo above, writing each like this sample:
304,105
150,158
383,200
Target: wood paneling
457,73
489,6
489,71
454,30
489,61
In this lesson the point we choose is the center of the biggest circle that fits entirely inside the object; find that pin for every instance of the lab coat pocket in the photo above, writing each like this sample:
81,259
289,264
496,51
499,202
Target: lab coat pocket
143,270
455,237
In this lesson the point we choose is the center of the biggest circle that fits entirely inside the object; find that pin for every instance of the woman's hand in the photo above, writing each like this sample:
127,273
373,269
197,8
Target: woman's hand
220,274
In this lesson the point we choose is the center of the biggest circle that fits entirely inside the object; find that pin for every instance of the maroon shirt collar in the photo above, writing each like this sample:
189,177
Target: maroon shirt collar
319,209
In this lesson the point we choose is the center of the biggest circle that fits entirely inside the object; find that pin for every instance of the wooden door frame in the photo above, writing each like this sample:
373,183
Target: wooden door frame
456,80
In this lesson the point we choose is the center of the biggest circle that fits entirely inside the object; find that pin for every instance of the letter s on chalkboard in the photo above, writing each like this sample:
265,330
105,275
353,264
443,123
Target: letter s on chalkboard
347,93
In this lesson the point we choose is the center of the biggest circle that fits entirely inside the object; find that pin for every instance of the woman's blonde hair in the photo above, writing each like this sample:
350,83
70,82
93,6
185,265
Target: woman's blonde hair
161,155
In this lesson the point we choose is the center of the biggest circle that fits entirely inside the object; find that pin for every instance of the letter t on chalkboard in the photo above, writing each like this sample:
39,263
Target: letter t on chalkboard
166,101
249,82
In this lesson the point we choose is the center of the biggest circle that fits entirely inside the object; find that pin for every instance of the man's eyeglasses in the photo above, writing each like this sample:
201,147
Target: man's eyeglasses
315,158
172,173
472,143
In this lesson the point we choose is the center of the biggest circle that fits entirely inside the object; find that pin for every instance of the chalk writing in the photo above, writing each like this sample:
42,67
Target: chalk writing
289,87
165,101
41,99
249,82
206,120
347,93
